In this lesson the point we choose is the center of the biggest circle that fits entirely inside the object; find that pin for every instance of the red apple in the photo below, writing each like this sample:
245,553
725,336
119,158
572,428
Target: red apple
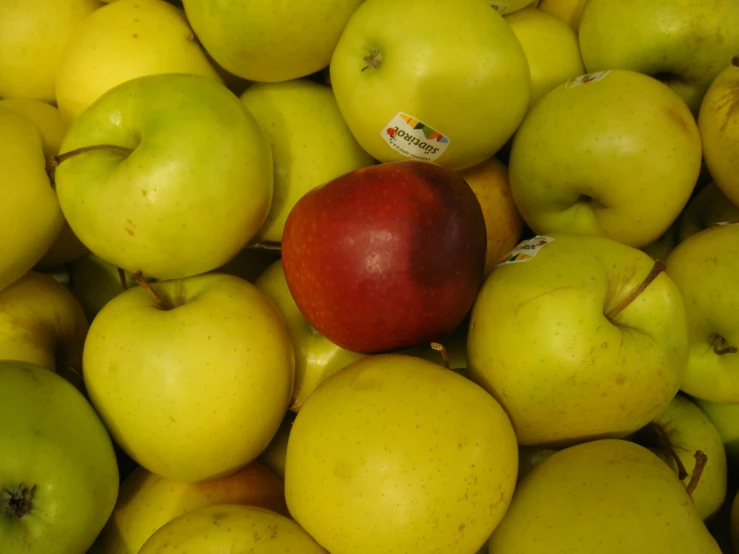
386,257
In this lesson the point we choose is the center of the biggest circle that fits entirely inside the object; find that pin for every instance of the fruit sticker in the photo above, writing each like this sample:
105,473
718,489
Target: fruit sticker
587,78
500,7
526,250
413,138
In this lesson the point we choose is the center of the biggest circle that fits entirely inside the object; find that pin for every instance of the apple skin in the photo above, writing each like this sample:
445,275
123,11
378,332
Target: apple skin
386,257
706,208
52,439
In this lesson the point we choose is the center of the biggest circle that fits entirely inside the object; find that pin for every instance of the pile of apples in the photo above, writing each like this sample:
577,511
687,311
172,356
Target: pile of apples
369,276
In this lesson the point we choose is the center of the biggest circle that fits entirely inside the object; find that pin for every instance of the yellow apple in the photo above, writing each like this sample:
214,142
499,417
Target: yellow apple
29,210
709,207
32,37
718,121
147,501
550,46
569,11
123,40
311,144
489,181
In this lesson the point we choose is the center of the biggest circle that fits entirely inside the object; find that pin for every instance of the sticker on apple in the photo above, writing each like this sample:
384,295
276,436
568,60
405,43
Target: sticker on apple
526,250
414,139
587,78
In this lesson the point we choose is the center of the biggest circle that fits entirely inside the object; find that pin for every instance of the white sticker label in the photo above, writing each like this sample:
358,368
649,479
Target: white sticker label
500,7
414,139
526,250
587,78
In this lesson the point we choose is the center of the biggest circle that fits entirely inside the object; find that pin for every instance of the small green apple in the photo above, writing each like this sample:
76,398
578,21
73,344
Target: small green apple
708,207
182,175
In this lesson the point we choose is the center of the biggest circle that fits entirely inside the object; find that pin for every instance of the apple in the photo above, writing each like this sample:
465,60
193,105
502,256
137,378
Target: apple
58,473
310,143
707,208
504,225
29,209
725,417
605,495
386,257
683,43
228,527
718,121
551,49
121,41
569,11
451,87
166,174
270,42
42,323
147,501
615,153
316,357
704,268
32,37
191,376
396,454
578,337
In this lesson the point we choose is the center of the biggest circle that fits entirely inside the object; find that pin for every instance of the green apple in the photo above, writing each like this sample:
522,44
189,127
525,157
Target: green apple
578,336
32,38
569,11
430,80
684,437
166,174
550,46
725,417
616,153
684,43
602,496
58,473
708,207
272,41
704,267
192,376
121,41
29,209
316,357
311,144
718,121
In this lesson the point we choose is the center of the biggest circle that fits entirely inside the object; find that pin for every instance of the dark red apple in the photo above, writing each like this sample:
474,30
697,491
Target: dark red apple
386,257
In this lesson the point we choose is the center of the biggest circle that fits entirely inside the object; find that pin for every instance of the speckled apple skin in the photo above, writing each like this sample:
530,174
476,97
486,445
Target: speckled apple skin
386,257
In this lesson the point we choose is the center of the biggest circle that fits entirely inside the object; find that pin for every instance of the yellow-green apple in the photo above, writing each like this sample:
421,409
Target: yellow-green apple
504,225
684,43
504,7
58,472
684,437
551,49
316,357
578,324
605,495
703,267
274,455
192,376
145,187
396,454
569,11
147,501
273,41
310,142
386,257
121,41
708,207
725,417
234,528
615,153
32,37
718,121
454,97
41,322
29,209
67,246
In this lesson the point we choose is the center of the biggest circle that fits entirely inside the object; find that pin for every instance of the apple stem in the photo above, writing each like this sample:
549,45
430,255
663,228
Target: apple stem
141,281
720,347
657,268
56,160
700,463
122,277
18,502
441,350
